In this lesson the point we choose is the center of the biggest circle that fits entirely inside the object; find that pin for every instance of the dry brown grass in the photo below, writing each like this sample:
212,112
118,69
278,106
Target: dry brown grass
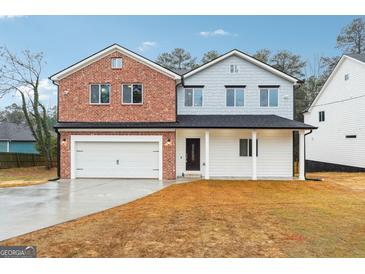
25,176
218,219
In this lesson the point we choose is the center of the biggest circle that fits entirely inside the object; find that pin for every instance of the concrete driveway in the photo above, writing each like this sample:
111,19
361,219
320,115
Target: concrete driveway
25,209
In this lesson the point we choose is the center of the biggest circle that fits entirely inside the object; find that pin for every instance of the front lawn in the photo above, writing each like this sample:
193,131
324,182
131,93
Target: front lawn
26,176
218,219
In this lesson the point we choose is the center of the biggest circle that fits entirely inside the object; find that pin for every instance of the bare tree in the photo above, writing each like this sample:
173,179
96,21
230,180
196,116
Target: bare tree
289,63
22,75
352,37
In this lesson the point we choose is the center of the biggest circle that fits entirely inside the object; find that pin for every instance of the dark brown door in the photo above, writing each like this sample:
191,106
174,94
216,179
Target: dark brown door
192,154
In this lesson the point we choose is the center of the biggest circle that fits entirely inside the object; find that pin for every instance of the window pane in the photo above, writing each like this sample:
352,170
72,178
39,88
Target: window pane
116,62
273,97
94,94
264,100
127,94
198,97
104,97
240,98
188,97
230,97
243,147
137,94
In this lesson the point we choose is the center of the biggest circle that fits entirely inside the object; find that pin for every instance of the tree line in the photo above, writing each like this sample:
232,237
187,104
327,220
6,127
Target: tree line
21,74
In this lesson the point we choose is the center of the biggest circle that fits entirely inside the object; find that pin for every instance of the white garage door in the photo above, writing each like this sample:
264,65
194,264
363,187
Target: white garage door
117,159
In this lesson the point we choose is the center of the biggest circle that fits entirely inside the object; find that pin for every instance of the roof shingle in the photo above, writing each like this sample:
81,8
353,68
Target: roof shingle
202,121
15,132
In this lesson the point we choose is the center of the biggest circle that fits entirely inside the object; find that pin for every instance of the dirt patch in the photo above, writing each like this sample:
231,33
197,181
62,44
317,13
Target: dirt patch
14,177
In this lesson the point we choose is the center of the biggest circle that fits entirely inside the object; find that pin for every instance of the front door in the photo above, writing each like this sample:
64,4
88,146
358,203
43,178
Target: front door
192,154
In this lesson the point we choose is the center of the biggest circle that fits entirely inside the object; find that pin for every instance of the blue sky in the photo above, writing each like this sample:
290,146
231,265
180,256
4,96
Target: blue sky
65,40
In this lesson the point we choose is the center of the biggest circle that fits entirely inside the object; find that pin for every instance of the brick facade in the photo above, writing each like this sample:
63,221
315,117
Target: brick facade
159,93
169,172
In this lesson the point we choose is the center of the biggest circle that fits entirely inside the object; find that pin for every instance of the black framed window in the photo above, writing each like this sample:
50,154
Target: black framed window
245,148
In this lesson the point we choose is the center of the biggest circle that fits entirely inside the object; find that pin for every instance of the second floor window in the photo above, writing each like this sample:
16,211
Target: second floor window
132,94
100,94
235,97
193,97
269,97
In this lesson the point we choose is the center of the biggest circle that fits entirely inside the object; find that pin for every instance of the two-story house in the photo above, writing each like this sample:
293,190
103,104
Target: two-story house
339,113
124,116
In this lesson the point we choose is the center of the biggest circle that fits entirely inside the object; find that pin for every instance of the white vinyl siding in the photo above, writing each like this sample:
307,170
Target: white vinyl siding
275,153
344,105
216,77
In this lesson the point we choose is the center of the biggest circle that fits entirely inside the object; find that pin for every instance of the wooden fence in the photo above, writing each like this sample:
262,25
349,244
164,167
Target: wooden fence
11,160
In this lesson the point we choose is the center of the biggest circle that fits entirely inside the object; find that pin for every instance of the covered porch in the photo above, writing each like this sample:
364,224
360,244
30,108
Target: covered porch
229,153
239,146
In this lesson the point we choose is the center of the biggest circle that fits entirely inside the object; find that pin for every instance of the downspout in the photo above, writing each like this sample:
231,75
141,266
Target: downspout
58,135
305,152
182,83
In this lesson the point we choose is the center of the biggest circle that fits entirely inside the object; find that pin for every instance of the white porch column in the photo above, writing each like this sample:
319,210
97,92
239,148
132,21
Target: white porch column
254,175
206,175
301,155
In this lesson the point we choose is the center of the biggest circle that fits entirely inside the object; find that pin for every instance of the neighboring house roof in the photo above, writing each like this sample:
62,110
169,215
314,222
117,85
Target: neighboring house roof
100,54
202,121
15,132
353,56
248,58
358,56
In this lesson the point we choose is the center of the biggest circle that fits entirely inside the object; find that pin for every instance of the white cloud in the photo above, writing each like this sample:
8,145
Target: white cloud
147,45
217,32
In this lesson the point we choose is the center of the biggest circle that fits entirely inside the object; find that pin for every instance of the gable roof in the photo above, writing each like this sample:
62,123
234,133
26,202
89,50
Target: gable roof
100,54
248,58
353,56
15,132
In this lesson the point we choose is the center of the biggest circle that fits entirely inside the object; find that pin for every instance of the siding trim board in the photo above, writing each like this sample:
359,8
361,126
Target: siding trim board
316,166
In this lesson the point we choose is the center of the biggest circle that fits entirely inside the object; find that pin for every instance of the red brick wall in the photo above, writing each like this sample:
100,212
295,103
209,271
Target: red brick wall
159,93
169,172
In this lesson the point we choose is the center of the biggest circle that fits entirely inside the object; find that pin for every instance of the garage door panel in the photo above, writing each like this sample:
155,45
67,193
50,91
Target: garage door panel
117,160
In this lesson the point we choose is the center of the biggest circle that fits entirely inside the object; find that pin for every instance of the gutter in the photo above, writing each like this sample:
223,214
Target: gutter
305,153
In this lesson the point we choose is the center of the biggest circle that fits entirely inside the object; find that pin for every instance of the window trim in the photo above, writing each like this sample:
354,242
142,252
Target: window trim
131,103
100,84
249,148
234,98
113,58
193,88
268,94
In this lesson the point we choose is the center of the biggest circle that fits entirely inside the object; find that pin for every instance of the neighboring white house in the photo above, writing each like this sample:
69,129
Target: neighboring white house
339,113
